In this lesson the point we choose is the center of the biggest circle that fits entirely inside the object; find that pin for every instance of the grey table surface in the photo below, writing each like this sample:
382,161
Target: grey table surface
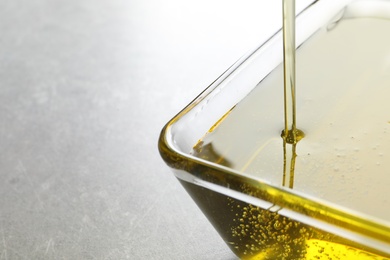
85,88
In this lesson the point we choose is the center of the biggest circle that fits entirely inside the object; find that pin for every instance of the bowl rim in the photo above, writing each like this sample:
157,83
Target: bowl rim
317,212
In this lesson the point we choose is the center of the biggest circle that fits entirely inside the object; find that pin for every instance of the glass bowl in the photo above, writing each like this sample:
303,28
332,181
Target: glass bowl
225,146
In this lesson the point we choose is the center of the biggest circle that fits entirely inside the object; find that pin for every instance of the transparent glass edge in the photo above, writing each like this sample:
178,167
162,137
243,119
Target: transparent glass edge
314,209
356,223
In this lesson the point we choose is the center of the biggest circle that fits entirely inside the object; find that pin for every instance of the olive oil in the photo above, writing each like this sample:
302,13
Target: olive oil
291,135
255,233
343,73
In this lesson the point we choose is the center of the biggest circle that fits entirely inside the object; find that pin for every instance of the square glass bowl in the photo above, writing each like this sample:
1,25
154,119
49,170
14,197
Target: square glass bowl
225,146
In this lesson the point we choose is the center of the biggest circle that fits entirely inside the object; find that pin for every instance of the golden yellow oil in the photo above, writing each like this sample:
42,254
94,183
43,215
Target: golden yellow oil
253,232
256,234
291,134
343,74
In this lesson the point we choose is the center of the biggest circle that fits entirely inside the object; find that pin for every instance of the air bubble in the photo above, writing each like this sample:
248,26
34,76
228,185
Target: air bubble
277,225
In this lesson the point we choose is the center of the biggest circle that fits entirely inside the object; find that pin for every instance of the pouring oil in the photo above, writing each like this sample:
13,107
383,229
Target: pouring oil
291,134
343,72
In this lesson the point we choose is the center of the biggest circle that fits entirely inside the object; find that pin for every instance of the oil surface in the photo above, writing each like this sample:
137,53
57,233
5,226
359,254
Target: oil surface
343,72
343,107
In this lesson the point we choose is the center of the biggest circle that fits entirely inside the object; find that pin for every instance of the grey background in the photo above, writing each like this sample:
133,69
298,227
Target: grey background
85,88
